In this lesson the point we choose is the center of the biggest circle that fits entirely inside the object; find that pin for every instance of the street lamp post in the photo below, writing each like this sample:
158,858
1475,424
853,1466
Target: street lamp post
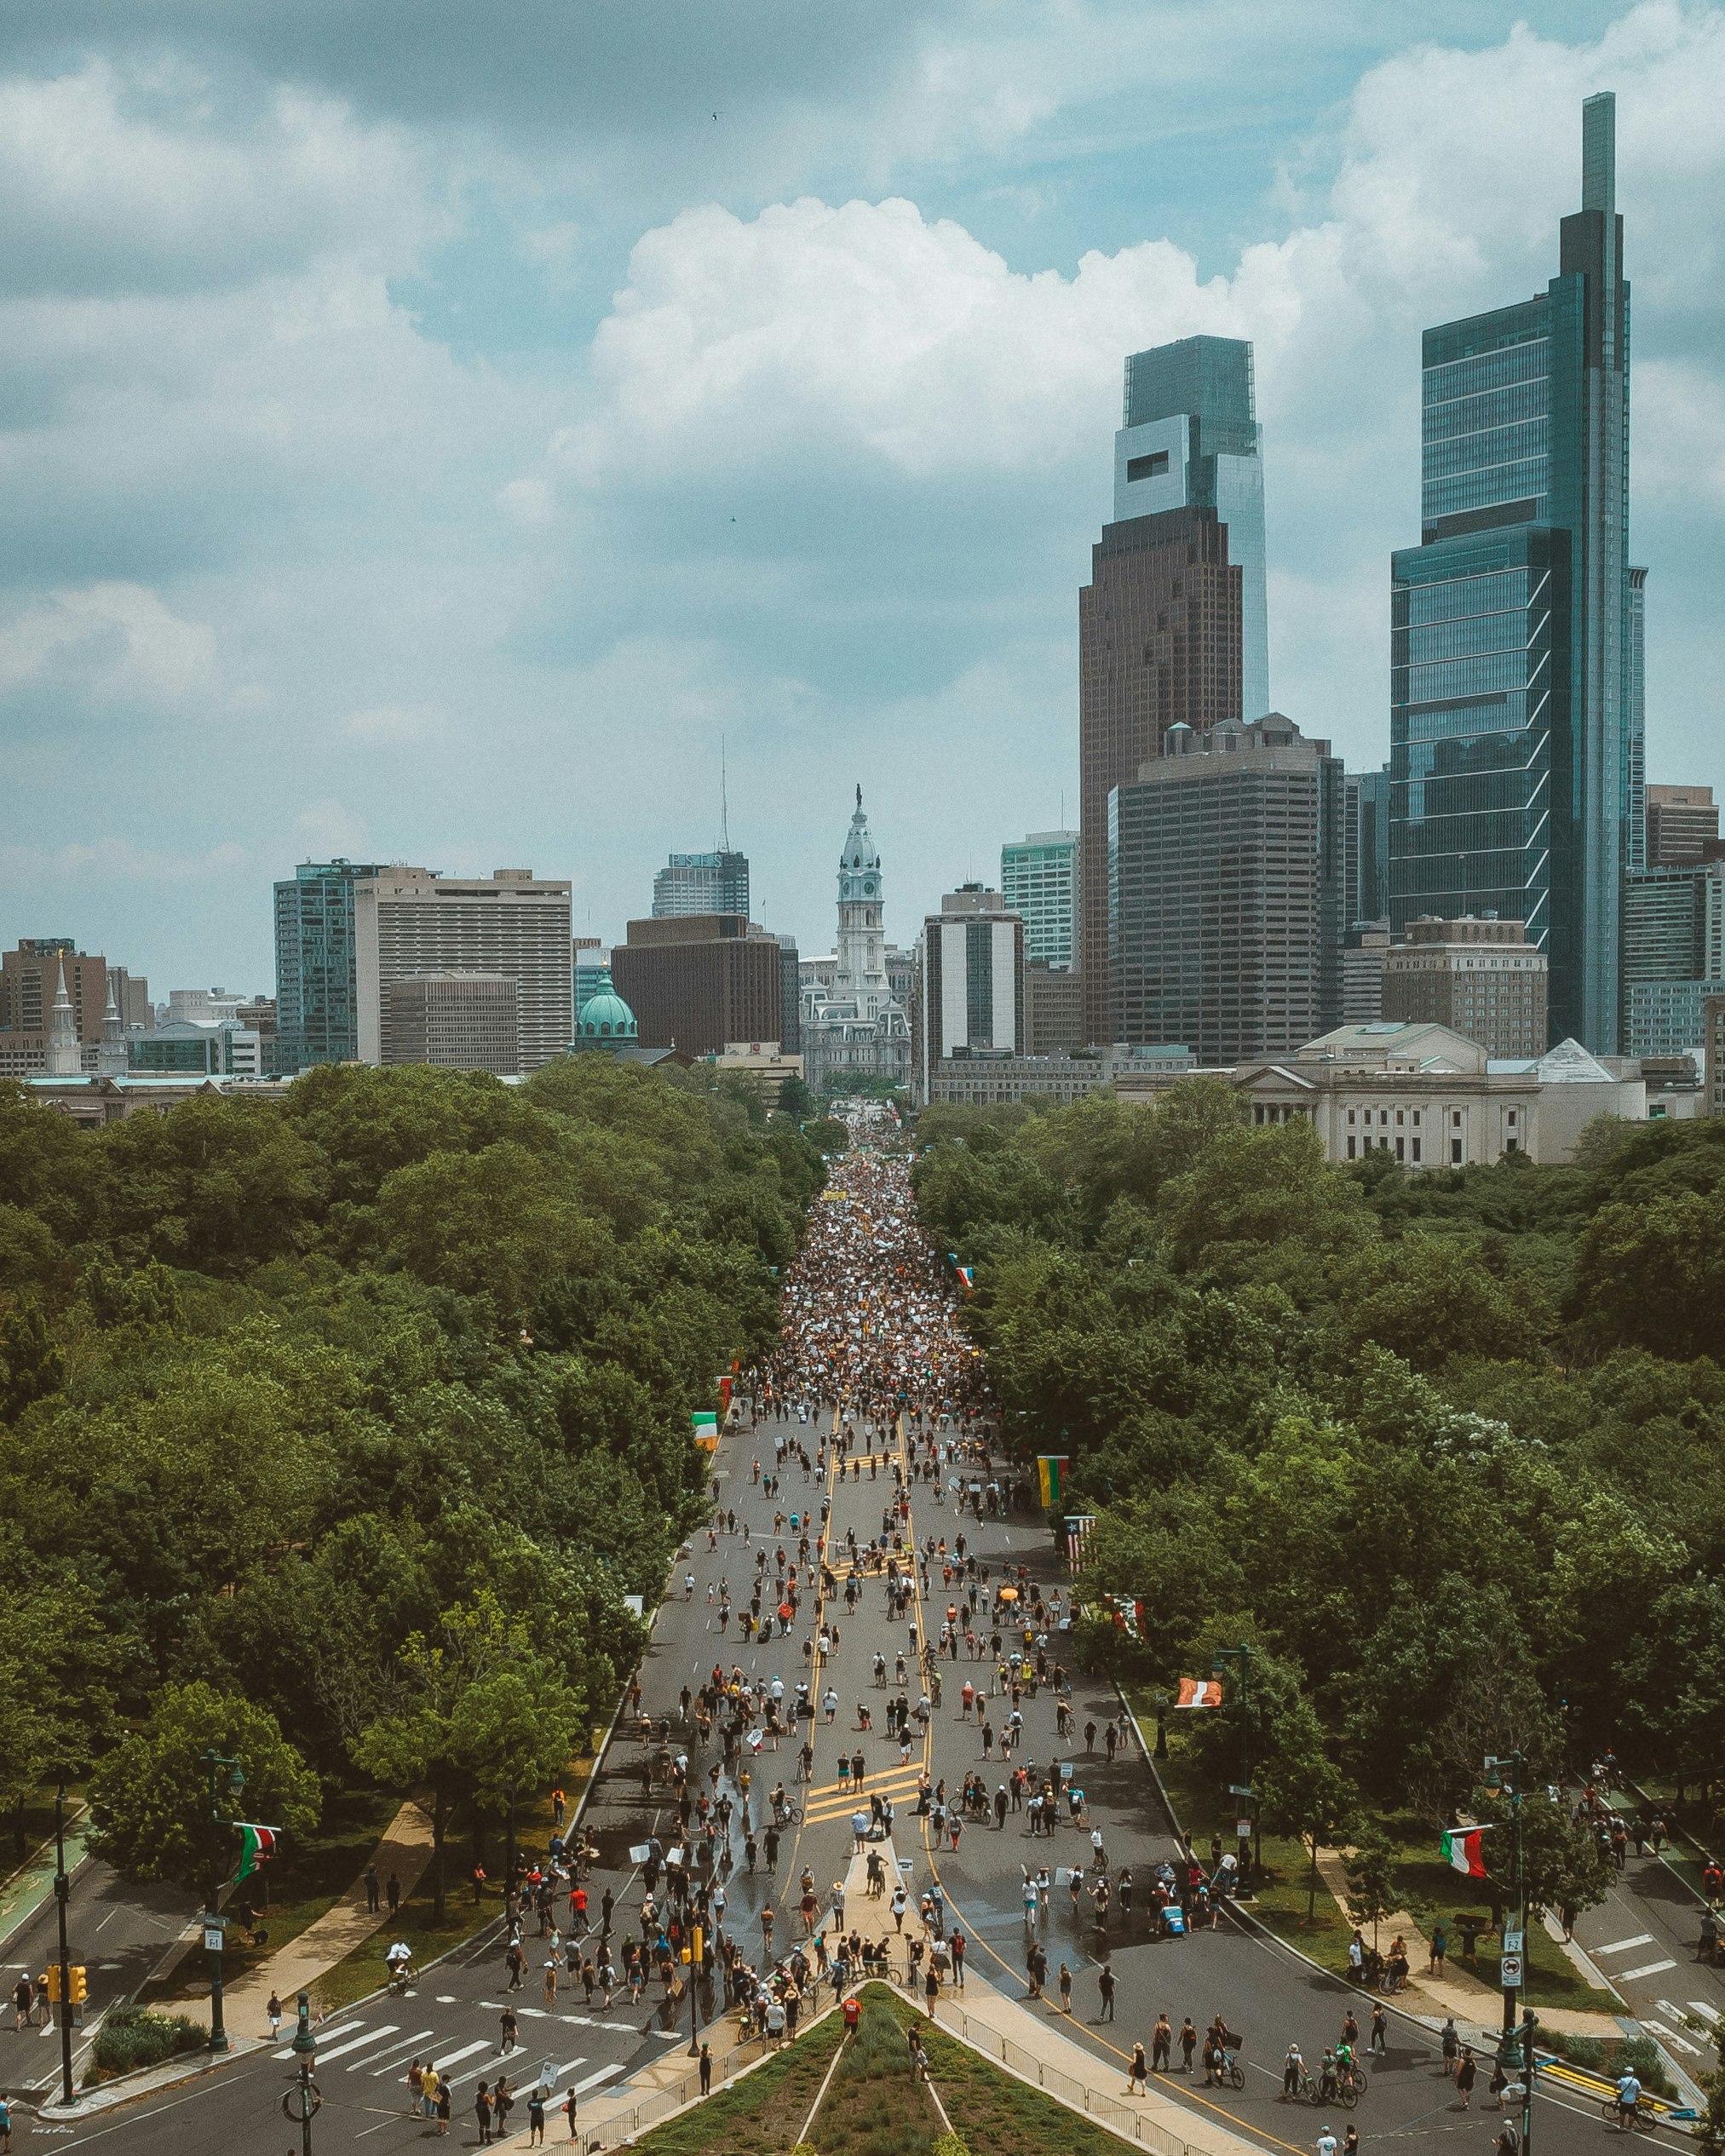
1242,1657
62,1894
1504,1779
213,1764
300,2103
1159,1702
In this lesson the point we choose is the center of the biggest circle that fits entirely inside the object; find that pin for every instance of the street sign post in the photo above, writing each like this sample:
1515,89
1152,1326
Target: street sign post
1509,1972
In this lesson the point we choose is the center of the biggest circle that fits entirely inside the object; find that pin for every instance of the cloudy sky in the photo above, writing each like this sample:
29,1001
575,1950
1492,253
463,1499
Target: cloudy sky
427,427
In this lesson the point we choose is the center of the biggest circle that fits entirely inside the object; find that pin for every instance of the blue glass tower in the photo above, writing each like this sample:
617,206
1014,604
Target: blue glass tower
1516,700
317,1006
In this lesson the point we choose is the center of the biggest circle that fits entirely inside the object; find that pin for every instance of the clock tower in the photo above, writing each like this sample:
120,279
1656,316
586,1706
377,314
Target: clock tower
861,951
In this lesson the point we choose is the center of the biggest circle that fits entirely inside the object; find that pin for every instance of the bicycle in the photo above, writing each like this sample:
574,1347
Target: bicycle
1356,2074
1229,2073
1646,2118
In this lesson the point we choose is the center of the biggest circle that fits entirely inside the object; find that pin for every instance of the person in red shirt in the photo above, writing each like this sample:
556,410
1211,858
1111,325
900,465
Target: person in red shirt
853,2014
578,1907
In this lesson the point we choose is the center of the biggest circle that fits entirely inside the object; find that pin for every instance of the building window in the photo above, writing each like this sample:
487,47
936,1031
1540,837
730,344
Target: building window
1512,1146
1150,467
1350,1117
1399,1118
1456,1150
1455,1118
1416,1125
1402,1148
1352,1144
1415,1152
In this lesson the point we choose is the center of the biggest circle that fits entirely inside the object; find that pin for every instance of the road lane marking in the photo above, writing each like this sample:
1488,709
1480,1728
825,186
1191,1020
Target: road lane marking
590,2081
1622,1945
442,2059
356,2043
1701,2006
1646,1968
396,2053
1670,2035
342,2028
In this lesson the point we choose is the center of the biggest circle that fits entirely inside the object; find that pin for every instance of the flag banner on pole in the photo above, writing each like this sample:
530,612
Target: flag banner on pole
1199,1692
1079,1527
1461,1848
1051,1471
1129,1615
967,1276
256,1847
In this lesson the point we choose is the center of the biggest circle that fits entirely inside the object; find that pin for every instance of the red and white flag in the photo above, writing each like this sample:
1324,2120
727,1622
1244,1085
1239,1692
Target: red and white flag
1199,1692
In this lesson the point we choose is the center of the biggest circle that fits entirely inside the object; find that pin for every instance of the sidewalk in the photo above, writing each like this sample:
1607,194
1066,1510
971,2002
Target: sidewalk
1456,1991
405,1850
1031,2045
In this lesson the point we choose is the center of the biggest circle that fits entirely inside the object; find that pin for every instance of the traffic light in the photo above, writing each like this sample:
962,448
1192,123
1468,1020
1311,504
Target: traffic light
80,1985
52,1982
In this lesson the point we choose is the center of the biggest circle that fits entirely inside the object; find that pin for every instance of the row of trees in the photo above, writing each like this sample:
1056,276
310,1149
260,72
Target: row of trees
1446,1449
358,1417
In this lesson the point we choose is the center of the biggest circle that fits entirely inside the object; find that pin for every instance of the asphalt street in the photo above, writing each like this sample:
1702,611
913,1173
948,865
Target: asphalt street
1262,1991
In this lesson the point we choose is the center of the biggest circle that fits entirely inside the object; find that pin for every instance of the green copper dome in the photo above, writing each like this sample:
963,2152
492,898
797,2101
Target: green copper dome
605,1017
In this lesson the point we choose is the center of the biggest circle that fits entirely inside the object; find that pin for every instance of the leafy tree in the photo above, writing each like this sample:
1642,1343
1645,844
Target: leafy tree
1561,1862
1652,1274
31,1365
795,1100
1373,1894
1302,1792
479,1714
150,1797
1259,1195
492,1224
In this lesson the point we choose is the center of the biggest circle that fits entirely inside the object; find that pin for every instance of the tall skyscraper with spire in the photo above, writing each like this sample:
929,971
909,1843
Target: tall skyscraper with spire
1516,761
858,1029
1173,624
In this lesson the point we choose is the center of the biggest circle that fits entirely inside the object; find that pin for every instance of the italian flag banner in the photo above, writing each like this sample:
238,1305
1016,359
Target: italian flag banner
1461,1848
256,1847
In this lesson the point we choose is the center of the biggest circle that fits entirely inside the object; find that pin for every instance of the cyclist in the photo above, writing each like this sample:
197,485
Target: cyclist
1344,2061
1628,2096
1293,2071
398,1961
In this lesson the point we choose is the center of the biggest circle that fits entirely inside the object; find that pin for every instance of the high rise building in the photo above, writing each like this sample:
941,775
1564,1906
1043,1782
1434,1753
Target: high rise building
715,882
972,981
790,997
1365,847
1359,971
1516,755
1483,978
460,1021
1225,892
1054,1009
1673,956
1038,880
34,1021
699,982
592,970
1682,825
1172,626
317,1017
413,924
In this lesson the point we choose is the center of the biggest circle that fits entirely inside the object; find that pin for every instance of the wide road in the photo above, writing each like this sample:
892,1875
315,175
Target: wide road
1261,1990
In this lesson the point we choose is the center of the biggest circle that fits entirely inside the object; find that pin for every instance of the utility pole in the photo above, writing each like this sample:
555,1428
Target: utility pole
214,1920
1242,1656
1515,2052
697,1948
62,1894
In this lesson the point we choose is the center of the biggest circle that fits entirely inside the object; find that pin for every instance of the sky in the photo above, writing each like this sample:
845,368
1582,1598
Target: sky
427,429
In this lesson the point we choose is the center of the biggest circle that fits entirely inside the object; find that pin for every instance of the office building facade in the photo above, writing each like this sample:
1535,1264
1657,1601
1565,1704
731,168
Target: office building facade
1673,956
1038,880
317,1012
702,883
1365,847
459,1021
413,924
1054,1009
1682,826
698,982
1516,755
1480,977
972,975
1225,892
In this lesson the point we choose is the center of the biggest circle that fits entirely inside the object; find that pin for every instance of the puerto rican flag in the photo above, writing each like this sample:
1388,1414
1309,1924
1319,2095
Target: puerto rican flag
1199,1692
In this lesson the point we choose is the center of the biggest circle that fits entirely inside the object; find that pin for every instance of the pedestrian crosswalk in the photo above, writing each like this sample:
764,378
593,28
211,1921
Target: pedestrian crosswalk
383,2048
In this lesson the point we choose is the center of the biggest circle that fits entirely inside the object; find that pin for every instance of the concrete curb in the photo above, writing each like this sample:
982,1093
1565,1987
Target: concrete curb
147,2080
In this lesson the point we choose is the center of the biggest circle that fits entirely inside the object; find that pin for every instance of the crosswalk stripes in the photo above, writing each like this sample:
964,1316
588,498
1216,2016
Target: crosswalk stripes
327,2054
391,2059
1646,1968
342,2028
1622,1946
1701,2006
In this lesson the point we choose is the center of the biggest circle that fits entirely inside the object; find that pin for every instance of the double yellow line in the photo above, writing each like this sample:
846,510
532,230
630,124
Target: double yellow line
839,1802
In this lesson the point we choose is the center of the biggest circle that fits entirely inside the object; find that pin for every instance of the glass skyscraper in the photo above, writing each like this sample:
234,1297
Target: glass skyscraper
1190,438
1038,880
317,1009
1515,719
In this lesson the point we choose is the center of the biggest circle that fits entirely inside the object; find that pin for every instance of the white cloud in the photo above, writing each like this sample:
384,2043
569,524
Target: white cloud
118,860
117,640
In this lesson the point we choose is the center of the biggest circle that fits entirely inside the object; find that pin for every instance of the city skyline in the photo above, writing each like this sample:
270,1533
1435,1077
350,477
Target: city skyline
509,620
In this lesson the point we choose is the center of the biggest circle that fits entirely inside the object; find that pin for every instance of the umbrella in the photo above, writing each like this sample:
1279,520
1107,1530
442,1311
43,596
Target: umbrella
1008,1594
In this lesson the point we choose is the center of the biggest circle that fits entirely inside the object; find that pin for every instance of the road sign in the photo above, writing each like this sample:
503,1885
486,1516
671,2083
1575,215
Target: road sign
212,1937
1509,1972
1514,1942
1239,1789
1243,1830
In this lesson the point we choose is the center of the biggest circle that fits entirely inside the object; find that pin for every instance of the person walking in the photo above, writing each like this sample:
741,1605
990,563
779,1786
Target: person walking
536,2116
1449,2043
272,2015
416,2091
444,2108
1065,1982
392,1890
482,2113
1466,2074
1189,2043
1137,2073
371,1889
706,2069
569,2104
1104,1987
1377,2044
1161,2042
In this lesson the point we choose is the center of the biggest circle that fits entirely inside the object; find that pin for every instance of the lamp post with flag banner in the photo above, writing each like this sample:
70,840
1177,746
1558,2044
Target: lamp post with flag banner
1504,1779
219,1773
1250,1852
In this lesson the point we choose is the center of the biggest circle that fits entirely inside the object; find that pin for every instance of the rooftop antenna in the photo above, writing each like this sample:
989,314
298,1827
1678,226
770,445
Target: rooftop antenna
724,803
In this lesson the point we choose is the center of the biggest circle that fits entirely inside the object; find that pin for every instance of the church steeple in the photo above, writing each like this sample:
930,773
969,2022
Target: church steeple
65,1057
111,1056
862,951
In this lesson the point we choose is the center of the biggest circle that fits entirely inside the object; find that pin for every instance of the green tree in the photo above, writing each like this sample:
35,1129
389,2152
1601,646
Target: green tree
1259,1198
480,1715
150,1797
1302,1792
1651,1273
31,1364
1373,1894
493,1224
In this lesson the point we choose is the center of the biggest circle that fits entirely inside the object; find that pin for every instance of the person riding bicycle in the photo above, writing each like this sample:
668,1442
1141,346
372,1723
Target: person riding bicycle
1344,2061
398,1961
1293,2071
1628,2096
